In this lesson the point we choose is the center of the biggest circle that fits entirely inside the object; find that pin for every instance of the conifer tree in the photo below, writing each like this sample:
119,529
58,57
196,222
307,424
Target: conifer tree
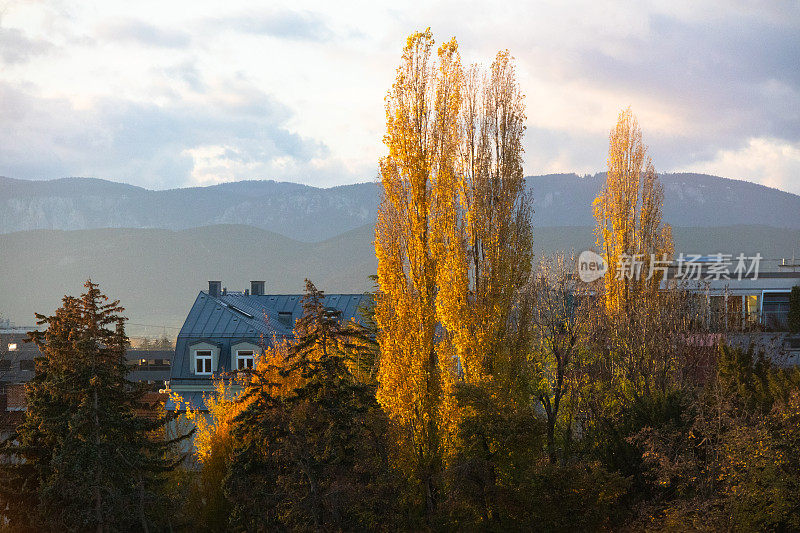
83,459
312,457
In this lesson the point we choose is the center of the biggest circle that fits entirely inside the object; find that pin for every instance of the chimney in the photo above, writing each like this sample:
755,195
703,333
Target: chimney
214,288
257,288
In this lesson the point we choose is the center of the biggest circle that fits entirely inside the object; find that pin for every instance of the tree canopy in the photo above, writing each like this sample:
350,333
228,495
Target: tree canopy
85,458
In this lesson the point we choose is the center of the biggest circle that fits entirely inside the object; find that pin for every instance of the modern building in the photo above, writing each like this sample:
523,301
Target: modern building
227,331
16,357
746,308
755,300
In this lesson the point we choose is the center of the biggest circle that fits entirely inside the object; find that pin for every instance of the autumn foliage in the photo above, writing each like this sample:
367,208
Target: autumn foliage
453,243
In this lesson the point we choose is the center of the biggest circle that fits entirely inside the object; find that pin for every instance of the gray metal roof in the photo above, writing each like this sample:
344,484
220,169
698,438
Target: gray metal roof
197,400
240,315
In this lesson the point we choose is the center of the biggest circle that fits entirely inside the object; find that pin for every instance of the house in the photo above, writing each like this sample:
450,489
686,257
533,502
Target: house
757,300
149,366
17,367
227,331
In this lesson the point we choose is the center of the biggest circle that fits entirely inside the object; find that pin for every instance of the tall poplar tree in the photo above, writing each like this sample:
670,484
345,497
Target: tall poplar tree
83,459
640,325
628,213
488,246
418,182
453,242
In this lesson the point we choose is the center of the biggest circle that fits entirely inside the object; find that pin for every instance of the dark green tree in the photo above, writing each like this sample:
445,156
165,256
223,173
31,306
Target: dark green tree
794,310
314,457
85,458
367,357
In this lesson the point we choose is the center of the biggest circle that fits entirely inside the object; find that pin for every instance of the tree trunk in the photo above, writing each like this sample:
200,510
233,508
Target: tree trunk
98,498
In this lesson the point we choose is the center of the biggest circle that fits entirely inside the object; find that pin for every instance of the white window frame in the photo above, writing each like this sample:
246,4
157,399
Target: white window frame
243,347
761,302
244,356
207,356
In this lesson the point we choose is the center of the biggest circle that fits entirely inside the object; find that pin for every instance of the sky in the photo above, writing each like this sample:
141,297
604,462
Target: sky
179,94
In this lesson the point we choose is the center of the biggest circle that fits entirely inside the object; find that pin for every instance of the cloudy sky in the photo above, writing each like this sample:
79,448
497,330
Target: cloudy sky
173,94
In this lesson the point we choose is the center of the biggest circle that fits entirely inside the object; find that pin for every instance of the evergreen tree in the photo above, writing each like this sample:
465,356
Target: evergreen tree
83,458
794,310
312,457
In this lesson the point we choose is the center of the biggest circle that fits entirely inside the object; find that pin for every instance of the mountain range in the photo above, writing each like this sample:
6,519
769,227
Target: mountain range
154,250
313,214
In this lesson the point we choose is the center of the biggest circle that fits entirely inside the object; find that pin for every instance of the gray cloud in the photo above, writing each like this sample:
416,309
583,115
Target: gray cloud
142,33
729,78
187,73
715,83
143,144
300,26
15,47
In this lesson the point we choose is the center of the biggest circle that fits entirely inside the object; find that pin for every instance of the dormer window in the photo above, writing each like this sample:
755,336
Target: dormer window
202,360
285,318
243,355
244,359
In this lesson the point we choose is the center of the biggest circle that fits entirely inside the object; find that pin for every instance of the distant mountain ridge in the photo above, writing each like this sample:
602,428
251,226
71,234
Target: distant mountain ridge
312,214
289,209
690,200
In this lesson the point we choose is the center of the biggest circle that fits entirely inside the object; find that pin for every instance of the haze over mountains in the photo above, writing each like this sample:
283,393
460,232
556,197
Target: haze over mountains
154,250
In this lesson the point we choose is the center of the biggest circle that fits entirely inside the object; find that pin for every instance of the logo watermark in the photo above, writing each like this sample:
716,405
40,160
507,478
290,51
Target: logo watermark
591,266
715,267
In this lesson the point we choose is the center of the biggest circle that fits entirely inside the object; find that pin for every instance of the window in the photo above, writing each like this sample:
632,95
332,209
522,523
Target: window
285,318
202,360
751,308
244,359
157,364
27,364
5,364
775,308
12,346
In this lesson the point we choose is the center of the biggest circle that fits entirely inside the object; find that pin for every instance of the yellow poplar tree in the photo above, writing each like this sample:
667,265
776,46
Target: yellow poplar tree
453,241
628,212
639,322
417,177
494,258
